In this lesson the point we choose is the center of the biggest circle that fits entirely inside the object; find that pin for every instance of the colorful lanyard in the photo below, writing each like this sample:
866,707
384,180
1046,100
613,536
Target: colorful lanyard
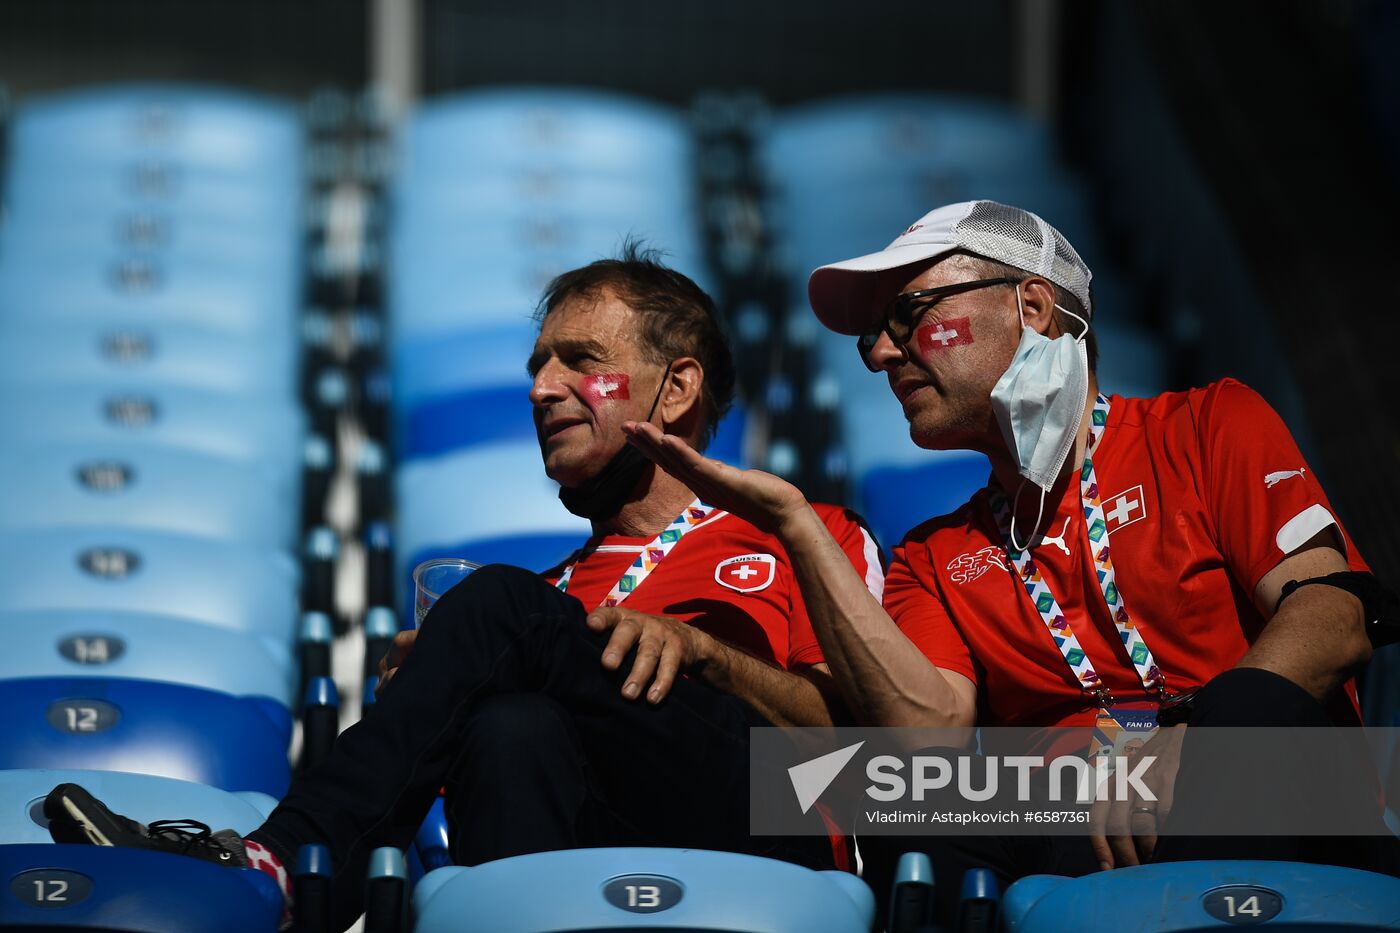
1044,600
691,517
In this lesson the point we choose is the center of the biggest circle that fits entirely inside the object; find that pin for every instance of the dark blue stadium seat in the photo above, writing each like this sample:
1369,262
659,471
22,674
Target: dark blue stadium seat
172,730
97,888
896,498
480,416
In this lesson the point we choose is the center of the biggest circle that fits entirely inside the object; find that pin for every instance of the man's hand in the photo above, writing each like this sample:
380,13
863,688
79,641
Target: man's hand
760,498
1125,833
389,664
665,647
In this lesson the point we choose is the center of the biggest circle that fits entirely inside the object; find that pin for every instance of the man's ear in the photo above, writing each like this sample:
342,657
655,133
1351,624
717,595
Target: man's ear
680,397
1038,305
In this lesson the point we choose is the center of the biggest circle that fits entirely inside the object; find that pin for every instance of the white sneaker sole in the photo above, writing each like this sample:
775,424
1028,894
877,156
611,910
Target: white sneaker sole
92,832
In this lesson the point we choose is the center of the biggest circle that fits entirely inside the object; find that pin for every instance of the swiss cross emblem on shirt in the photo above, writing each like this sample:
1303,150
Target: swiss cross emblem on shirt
747,573
1124,508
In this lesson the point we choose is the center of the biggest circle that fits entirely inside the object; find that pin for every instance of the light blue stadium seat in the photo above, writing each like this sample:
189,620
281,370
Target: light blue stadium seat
449,363
246,589
36,234
443,293
142,646
833,138
545,128
646,889
132,890
444,232
231,131
445,300
235,301
480,493
248,204
143,797
267,436
133,355
138,486
511,193
1180,896
171,730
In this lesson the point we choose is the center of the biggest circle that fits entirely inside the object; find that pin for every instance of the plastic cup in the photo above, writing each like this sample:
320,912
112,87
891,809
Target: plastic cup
434,577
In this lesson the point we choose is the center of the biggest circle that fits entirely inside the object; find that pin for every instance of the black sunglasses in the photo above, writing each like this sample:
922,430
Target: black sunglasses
907,308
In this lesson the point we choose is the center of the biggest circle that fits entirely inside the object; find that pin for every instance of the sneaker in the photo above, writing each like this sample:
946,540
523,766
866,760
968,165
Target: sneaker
75,816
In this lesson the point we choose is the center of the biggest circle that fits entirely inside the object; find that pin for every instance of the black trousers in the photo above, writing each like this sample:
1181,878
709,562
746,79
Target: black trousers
504,702
1238,698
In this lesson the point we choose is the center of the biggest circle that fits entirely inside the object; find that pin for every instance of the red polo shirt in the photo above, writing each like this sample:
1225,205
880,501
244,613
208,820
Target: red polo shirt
729,579
1204,493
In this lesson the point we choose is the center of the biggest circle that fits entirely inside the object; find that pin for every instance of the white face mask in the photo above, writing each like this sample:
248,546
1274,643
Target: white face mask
1039,403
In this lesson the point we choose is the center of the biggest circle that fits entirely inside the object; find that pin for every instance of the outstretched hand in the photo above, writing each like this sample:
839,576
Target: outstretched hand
765,500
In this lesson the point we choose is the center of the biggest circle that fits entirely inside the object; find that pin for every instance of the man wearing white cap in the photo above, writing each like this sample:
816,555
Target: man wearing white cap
1010,611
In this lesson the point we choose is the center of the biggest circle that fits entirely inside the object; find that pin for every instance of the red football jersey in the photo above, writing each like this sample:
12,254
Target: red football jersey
729,579
1204,492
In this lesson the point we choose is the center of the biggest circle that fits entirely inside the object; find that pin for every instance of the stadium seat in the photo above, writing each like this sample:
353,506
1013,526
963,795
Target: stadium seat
237,587
265,435
1180,896
134,182
133,355
875,134
468,359
512,192
137,486
172,730
143,797
554,130
458,291
481,416
228,300
95,888
221,130
644,889
37,234
142,646
895,498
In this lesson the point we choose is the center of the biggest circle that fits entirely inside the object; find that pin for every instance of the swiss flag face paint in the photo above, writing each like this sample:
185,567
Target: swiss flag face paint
954,332
605,387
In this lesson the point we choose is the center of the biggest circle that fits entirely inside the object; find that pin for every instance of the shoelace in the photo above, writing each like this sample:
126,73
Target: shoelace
188,834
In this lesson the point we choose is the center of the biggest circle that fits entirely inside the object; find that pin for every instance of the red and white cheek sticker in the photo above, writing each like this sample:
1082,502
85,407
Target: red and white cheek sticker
943,335
606,387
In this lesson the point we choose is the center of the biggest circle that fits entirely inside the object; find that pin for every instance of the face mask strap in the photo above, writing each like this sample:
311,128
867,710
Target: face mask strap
659,389
1039,516
1021,313
1083,333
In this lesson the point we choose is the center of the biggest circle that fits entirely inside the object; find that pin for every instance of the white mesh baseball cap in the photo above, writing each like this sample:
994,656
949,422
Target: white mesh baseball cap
842,294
